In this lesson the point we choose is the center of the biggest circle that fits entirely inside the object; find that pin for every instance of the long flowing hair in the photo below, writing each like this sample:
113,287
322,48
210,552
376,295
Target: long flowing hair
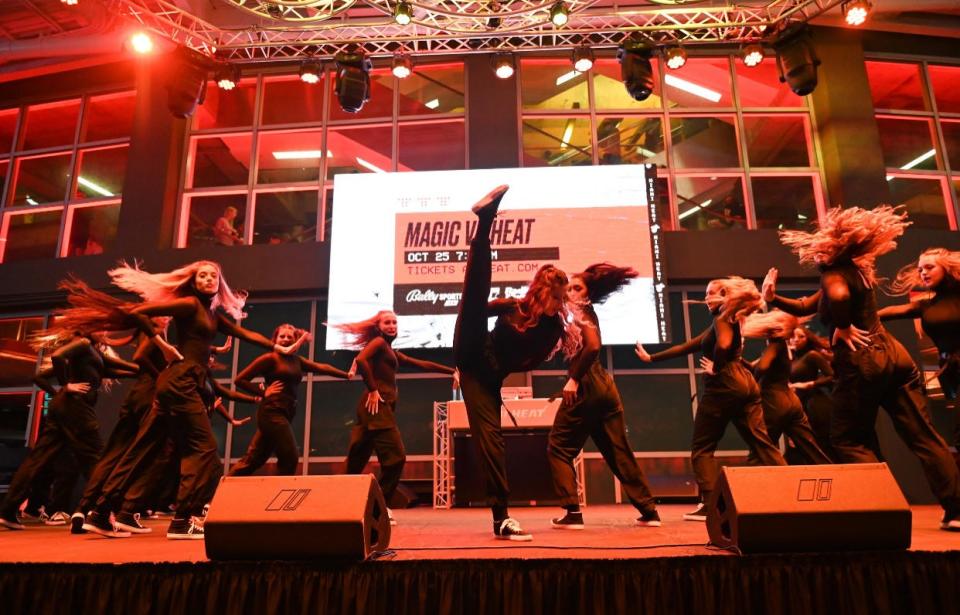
604,279
89,312
775,324
297,331
539,294
740,297
855,234
175,284
358,334
908,277
814,341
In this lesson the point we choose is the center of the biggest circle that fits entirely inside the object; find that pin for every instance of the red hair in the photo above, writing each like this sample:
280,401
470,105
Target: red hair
539,294
359,334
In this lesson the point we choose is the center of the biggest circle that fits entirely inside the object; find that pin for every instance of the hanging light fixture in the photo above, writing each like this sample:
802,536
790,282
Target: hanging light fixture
855,12
503,65
752,55
310,71
676,57
402,65
403,13
559,13
582,59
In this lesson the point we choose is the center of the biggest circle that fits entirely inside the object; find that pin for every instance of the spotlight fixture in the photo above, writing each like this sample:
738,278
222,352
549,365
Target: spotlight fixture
636,71
855,12
582,59
402,66
676,57
796,58
70,2
503,65
227,76
186,83
559,13
141,43
353,80
310,71
494,22
752,55
403,13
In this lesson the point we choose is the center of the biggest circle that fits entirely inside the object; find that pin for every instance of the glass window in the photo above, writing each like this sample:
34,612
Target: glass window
227,109
51,125
415,411
710,203
776,140
434,88
336,404
19,359
267,316
431,146
944,81
14,416
4,167
101,172
93,229
895,85
287,100
610,93
951,141
547,83
380,103
8,127
285,217
221,160
702,142
42,179
204,224
784,202
631,140
760,86
32,235
658,411
556,142
701,82
109,116
625,358
924,199
359,150
289,156
907,143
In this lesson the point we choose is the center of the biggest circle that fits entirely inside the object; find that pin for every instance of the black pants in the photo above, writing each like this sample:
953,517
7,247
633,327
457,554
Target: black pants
884,375
274,435
390,452
783,415
731,396
71,424
598,414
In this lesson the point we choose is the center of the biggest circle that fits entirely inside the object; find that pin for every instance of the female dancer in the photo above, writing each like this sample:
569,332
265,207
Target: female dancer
592,407
526,332
282,375
937,270
873,369
810,378
782,410
376,426
80,364
192,296
731,394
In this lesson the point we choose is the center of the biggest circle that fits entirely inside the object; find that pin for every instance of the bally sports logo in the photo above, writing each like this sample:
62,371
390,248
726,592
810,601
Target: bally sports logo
287,500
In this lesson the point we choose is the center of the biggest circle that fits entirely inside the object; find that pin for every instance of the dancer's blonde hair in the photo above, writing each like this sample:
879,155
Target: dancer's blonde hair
908,277
740,297
775,324
177,283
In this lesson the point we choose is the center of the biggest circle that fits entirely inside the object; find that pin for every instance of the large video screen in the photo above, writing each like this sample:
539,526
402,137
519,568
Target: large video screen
400,241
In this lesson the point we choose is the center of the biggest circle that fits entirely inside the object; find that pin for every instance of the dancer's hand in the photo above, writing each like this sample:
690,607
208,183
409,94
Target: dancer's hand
225,348
802,386
169,351
853,337
642,353
456,378
275,387
77,388
707,366
769,288
570,390
373,402
353,370
239,422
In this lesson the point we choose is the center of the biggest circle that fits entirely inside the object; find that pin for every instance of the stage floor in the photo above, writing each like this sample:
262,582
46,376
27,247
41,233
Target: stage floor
427,534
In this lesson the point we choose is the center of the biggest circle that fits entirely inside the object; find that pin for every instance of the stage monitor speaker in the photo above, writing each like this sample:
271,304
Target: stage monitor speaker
297,517
808,508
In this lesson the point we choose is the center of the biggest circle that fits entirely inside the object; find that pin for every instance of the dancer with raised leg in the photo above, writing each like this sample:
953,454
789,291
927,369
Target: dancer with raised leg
592,407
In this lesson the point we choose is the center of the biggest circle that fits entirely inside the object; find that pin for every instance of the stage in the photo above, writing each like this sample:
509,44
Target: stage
447,561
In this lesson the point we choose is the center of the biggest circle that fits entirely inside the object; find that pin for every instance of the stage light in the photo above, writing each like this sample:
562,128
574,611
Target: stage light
503,65
559,13
855,12
310,71
403,13
432,104
93,187
796,59
752,55
186,83
70,2
495,21
402,66
676,57
582,59
369,165
227,77
300,154
353,80
636,71
141,43
692,88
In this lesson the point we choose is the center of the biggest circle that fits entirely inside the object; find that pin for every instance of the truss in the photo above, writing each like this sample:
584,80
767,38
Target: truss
460,26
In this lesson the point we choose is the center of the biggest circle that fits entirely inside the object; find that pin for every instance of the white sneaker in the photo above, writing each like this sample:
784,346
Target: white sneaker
509,529
57,518
393,521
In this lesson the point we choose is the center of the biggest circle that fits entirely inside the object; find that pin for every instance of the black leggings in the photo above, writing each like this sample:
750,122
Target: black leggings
274,435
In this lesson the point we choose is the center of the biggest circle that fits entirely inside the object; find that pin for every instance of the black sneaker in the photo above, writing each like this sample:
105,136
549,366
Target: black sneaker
100,523
649,518
76,523
951,521
9,520
185,529
569,521
700,514
509,529
487,206
31,515
130,522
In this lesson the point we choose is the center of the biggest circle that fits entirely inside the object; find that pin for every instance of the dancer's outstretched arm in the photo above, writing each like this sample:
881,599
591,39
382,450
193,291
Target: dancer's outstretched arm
324,369
679,350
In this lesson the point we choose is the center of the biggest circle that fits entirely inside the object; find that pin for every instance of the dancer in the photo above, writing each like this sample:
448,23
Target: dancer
811,377
592,407
731,394
282,375
80,364
376,426
872,368
526,332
